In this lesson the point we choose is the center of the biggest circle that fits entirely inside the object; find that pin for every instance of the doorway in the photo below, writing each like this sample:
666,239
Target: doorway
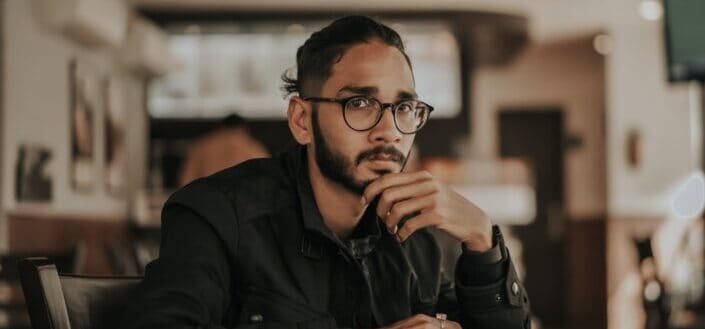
536,135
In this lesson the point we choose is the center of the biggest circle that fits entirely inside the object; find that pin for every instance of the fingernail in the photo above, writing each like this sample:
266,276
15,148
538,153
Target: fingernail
364,200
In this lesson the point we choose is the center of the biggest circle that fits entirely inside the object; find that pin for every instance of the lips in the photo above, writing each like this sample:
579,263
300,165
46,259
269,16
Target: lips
381,155
384,157
383,167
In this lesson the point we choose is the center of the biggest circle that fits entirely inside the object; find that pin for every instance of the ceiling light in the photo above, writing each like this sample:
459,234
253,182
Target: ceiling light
651,10
602,44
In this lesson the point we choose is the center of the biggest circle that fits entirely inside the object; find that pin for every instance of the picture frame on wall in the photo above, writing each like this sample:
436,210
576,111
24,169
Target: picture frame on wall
33,174
83,108
114,150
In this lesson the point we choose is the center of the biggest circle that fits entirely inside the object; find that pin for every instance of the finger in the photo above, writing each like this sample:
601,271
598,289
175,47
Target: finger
435,324
425,219
453,325
406,208
431,322
426,324
395,194
419,321
386,181
418,318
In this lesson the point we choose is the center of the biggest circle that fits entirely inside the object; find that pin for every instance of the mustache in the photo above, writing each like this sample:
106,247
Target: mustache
387,151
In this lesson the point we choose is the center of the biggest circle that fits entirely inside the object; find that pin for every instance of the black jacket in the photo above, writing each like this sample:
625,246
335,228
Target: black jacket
247,247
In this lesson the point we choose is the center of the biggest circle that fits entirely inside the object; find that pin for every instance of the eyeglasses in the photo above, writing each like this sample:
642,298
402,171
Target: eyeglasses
363,113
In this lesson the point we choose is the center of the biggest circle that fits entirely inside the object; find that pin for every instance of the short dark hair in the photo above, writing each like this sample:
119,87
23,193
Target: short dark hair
233,120
315,58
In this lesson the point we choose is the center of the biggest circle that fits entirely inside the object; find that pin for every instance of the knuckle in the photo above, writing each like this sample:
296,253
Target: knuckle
373,185
436,220
395,211
402,230
392,193
411,226
436,185
384,180
385,198
433,202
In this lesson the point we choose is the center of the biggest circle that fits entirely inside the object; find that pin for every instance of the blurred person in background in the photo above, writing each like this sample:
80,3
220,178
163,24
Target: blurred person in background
227,145
332,233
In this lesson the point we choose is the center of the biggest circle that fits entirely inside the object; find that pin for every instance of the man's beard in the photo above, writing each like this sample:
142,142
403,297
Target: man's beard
339,169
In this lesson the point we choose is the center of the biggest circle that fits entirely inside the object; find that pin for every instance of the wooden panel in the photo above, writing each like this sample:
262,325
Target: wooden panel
42,235
587,273
536,135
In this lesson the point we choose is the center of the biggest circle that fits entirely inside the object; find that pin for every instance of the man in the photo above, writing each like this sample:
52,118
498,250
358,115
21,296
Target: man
332,234
227,145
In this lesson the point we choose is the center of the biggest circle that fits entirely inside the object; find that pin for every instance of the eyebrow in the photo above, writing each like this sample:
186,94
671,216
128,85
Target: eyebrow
371,91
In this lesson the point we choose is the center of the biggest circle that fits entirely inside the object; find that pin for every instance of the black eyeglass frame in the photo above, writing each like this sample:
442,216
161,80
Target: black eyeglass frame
343,102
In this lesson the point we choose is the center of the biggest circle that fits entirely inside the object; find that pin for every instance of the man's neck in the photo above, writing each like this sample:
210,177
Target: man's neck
340,208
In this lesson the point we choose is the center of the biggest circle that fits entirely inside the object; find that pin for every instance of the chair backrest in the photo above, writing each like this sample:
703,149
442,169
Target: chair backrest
13,311
62,301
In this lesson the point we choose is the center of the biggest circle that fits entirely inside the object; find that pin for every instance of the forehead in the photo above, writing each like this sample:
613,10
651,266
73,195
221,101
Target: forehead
374,64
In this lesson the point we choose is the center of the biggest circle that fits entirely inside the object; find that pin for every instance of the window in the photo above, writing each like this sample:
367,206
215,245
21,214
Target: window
236,67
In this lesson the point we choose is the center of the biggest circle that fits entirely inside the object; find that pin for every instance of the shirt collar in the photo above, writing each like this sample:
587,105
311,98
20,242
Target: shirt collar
366,234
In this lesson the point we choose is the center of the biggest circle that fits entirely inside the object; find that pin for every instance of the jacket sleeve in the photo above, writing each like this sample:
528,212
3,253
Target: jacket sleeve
189,285
486,292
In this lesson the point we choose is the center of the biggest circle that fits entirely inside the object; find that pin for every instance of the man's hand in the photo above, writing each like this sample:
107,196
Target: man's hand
436,204
422,321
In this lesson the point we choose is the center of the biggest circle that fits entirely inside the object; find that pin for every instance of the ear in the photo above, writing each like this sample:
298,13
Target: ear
299,118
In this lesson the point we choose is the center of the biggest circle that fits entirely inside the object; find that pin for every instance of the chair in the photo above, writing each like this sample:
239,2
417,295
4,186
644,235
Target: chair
62,301
13,311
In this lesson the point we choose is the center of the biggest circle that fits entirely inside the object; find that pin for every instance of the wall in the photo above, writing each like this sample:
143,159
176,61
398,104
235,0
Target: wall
566,74
638,98
638,95
3,221
36,111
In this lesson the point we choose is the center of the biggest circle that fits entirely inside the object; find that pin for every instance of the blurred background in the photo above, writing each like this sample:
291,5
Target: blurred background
577,125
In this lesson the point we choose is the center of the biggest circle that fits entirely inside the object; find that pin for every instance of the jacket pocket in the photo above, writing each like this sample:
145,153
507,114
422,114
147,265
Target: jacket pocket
263,308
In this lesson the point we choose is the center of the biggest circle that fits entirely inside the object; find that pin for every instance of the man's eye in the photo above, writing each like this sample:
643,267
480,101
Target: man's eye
359,102
405,107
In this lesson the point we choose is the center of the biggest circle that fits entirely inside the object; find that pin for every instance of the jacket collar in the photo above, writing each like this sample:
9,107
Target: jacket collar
366,234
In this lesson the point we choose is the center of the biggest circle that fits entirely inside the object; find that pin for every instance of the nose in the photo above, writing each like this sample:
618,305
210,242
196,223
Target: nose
385,131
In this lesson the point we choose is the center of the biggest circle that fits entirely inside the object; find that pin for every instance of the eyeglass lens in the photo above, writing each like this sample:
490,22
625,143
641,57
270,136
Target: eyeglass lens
363,113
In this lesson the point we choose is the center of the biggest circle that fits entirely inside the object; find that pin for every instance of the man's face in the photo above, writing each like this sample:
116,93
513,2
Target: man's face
355,158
